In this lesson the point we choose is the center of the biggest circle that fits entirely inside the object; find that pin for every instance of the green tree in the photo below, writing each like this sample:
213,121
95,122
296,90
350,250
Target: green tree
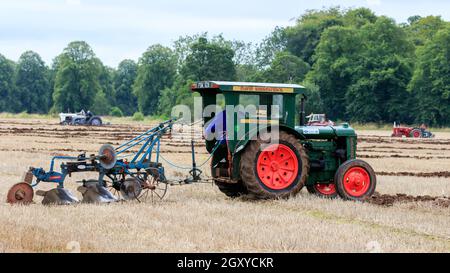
209,61
101,105
363,72
314,103
269,47
423,29
33,91
6,83
106,79
303,38
156,71
333,70
431,82
123,85
178,94
77,79
206,60
383,70
286,68
359,17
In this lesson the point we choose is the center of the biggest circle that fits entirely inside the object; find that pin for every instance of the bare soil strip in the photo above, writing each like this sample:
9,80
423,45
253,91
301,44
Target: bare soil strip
411,141
377,148
403,156
444,174
388,200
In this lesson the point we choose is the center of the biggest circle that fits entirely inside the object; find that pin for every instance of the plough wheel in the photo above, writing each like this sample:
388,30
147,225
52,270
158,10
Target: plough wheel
153,188
21,193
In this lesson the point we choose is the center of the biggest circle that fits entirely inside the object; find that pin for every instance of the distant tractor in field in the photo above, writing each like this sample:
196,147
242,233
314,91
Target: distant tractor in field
264,155
319,120
81,118
412,132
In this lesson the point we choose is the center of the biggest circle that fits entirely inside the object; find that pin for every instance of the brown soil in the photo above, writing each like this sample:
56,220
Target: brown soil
389,200
403,156
432,174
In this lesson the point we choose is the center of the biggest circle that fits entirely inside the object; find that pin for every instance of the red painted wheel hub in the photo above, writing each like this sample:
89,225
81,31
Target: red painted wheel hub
325,189
416,134
356,181
277,167
20,193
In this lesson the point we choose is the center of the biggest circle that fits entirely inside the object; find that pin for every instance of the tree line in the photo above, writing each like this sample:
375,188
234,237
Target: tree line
356,66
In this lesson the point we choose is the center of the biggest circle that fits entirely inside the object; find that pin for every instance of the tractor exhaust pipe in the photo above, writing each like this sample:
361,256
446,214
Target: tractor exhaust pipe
302,111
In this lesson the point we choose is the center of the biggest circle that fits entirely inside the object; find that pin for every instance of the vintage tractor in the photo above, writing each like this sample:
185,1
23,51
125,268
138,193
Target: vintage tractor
263,154
411,132
81,118
319,120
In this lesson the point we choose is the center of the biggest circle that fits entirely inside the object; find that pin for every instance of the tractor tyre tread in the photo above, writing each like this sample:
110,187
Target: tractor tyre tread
251,180
231,190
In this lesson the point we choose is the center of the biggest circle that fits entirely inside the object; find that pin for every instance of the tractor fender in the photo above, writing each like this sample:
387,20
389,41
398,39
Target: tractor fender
253,134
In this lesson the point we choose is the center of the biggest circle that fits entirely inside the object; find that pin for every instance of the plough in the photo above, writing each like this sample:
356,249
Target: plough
123,173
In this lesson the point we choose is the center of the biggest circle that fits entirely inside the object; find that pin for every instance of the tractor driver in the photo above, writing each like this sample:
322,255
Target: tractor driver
89,115
216,129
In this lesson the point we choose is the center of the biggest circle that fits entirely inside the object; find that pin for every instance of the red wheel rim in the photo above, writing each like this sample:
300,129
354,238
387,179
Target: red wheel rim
277,167
356,181
325,189
20,193
416,134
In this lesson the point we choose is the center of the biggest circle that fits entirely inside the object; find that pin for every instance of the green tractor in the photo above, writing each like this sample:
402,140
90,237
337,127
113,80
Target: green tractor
259,151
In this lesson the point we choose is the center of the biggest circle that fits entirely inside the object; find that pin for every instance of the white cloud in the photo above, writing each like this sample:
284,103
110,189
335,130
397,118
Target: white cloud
373,2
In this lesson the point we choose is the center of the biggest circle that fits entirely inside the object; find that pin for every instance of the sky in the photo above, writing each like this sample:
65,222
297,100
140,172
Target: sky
124,29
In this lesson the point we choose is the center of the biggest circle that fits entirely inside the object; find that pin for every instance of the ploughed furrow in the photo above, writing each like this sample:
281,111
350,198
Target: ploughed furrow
403,156
388,200
411,141
444,174
376,148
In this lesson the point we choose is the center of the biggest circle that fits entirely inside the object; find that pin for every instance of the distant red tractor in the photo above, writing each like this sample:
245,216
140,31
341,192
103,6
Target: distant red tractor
412,132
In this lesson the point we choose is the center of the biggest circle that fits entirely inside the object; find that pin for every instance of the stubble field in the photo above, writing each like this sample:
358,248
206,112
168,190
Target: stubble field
198,218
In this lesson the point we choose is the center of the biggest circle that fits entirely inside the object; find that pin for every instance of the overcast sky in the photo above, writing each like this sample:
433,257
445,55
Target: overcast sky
119,29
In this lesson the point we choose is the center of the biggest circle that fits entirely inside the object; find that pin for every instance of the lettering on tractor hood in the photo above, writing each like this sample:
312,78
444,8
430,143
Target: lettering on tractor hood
327,131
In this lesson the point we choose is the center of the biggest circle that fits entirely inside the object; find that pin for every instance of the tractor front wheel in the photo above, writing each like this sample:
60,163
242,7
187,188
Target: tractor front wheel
355,180
323,190
273,171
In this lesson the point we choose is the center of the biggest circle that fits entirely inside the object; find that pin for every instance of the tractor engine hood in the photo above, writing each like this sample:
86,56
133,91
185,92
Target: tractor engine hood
326,132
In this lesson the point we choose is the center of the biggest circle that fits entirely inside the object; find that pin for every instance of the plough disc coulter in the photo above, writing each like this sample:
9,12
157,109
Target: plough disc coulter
129,172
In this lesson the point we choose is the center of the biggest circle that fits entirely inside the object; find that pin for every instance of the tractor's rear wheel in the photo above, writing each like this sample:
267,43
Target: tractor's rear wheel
355,180
323,190
416,133
231,190
96,122
272,171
